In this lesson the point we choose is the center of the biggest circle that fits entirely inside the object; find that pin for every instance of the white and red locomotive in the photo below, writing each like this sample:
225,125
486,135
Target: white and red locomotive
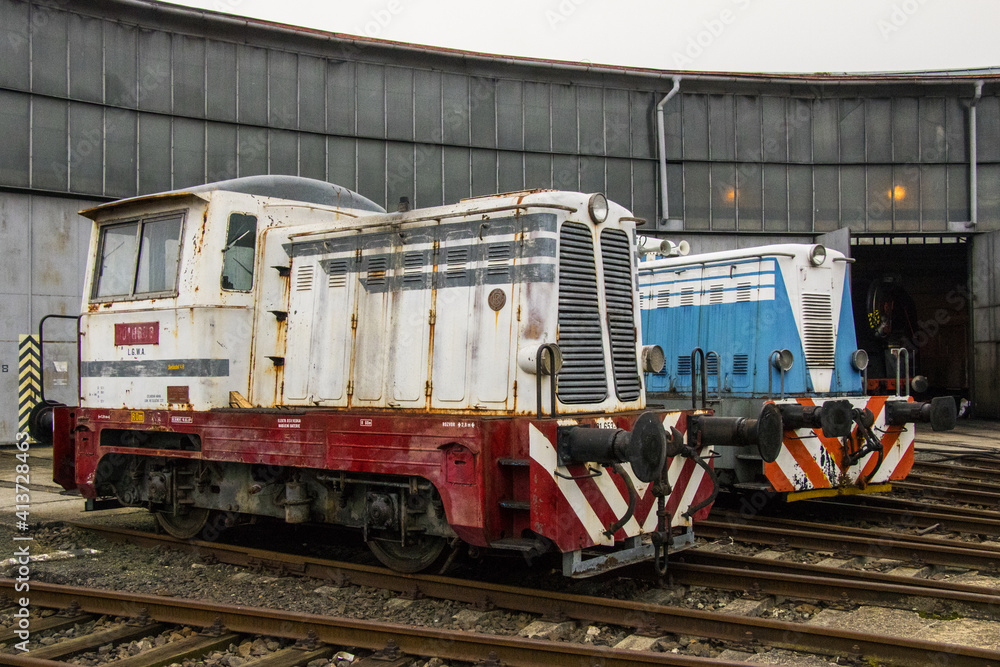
465,374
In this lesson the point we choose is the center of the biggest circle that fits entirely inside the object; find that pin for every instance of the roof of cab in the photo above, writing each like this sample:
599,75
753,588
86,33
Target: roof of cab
292,188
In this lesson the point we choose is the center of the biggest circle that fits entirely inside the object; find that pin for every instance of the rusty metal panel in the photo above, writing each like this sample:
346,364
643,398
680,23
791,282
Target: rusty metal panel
482,107
252,85
85,38
371,100
188,74
49,167
189,152
48,51
14,45
120,80
86,148
14,127
120,157
154,159
410,320
154,71
220,151
220,58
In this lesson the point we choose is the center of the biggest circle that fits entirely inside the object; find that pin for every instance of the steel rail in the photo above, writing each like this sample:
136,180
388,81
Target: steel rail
840,587
643,616
932,554
907,518
987,498
797,524
986,487
412,640
974,470
931,587
915,505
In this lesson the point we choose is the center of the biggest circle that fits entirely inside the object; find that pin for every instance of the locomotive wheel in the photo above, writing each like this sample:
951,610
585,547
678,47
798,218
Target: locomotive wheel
418,555
183,526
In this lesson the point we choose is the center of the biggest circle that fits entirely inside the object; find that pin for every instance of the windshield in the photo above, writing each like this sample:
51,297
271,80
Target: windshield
123,273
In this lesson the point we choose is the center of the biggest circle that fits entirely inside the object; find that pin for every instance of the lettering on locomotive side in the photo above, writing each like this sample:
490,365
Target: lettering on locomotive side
137,416
180,419
366,423
289,422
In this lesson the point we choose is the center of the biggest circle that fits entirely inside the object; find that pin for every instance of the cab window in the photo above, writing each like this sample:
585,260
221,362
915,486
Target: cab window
138,259
238,255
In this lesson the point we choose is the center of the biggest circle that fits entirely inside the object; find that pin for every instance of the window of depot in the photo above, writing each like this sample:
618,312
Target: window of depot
138,259
238,254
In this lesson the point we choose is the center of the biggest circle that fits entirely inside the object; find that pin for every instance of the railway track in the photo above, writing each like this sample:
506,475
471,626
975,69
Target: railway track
316,636
643,617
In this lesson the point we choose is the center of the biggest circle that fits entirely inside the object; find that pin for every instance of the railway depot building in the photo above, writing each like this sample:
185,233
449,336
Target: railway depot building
116,98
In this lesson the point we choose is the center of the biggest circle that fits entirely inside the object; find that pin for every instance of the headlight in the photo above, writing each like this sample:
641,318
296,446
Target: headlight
859,359
653,359
598,208
782,359
817,255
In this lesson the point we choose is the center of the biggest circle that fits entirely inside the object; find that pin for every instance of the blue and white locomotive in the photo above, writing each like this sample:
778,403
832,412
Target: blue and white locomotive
775,324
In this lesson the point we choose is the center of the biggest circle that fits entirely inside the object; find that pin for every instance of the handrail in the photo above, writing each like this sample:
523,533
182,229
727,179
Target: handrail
698,353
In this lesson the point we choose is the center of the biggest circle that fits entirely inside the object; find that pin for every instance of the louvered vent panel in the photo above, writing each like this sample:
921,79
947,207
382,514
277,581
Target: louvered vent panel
687,296
817,330
582,378
338,273
457,260
743,291
376,271
304,279
413,268
615,254
712,365
715,294
741,364
498,259
684,365
663,299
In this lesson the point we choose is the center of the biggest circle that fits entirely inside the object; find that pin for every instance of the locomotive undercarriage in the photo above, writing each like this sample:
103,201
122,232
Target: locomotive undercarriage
401,518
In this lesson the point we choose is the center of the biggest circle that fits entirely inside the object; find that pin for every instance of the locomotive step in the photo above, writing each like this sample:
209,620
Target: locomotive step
753,486
521,544
515,504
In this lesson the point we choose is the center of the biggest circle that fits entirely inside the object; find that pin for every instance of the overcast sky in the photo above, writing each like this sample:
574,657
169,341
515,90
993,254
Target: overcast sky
707,35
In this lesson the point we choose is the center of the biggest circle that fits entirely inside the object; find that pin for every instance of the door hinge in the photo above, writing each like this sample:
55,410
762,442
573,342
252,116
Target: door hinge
350,387
432,317
515,389
428,388
354,320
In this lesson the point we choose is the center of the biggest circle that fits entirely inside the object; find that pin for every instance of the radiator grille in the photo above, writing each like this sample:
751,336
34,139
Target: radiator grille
741,364
618,288
817,330
377,267
582,378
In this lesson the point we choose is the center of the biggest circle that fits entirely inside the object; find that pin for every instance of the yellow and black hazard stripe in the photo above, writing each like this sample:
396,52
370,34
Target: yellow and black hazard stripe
29,387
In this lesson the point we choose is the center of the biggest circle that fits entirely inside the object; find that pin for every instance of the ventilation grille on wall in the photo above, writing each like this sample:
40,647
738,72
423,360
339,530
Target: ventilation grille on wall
304,279
338,273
